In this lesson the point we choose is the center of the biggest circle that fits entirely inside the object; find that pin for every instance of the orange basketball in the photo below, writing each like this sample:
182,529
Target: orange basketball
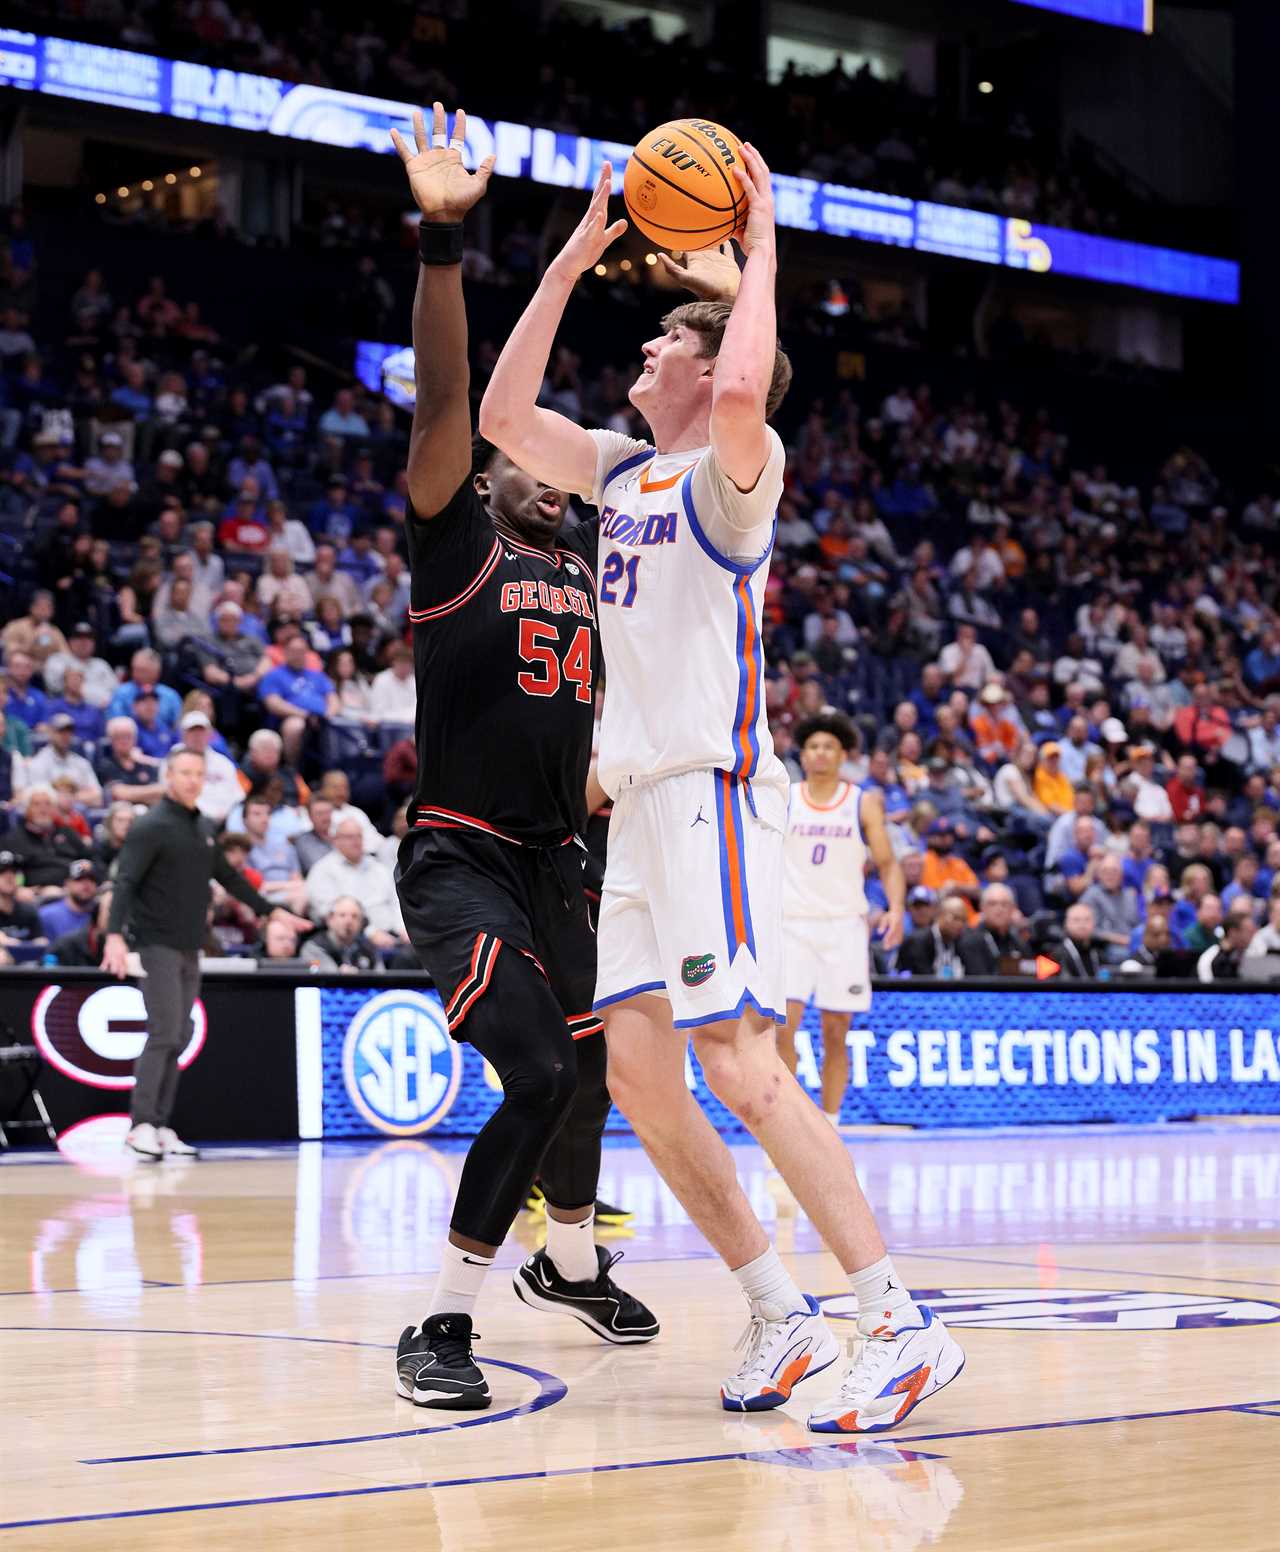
680,187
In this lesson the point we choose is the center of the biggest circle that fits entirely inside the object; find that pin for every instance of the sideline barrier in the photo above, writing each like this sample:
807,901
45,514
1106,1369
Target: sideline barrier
283,1056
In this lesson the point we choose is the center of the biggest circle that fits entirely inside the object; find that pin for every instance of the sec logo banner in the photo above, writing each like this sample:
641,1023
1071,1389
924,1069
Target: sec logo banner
401,1065
1064,1309
95,1037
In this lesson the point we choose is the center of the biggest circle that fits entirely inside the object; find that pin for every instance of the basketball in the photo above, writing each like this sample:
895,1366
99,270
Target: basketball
680,188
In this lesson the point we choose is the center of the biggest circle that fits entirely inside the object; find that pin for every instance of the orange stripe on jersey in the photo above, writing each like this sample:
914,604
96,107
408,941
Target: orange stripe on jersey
733,845
743,732
675,479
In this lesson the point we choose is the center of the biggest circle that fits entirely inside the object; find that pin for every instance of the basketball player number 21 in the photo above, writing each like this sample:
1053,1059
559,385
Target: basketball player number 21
538,642
614,571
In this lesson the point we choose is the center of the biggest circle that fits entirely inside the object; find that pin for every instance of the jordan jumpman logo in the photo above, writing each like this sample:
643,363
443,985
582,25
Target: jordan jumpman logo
699,820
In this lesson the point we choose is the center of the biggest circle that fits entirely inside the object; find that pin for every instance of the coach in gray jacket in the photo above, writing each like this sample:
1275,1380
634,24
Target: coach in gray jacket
161,902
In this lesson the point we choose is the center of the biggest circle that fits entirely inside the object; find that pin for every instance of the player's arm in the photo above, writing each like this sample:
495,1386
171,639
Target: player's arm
744,367
547,445
597,797
440,440
871,812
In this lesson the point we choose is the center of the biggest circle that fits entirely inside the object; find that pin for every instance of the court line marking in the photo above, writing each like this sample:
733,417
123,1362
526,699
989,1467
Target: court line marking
551,1389
578,1471
1099,1271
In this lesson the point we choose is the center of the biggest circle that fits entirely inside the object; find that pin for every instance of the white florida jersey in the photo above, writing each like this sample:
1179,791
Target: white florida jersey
683,560
825,856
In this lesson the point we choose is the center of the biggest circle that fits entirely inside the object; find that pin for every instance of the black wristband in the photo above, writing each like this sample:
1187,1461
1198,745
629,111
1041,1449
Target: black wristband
440,242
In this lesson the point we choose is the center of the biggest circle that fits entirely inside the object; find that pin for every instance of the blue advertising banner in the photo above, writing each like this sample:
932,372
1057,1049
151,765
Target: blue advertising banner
383,1061
325,116
1138,15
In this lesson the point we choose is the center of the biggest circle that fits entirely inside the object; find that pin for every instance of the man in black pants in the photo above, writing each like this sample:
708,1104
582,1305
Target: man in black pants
506,651
161,900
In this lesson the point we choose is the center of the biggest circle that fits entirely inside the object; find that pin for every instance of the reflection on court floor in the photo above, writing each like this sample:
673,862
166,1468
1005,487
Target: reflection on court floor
210,1351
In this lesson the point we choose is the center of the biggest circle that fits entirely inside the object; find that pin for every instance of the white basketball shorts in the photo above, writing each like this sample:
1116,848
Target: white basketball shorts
692,902
828,960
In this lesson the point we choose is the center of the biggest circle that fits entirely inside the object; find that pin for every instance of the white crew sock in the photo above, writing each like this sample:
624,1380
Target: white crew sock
572,1248
882,1300
769,1287
459,1281
834,1117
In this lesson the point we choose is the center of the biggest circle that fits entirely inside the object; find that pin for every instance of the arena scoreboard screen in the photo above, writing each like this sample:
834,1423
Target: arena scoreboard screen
322,115
1137,15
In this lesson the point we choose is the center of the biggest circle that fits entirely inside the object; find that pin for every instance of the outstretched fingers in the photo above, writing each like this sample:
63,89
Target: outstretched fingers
438,123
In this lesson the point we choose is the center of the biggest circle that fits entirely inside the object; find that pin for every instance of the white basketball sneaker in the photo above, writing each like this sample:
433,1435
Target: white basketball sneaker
172,1146
777,1353
144,1141
890,1377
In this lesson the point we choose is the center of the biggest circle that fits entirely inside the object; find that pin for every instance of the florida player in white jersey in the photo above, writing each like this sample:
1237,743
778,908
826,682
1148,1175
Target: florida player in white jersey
690,934
833,828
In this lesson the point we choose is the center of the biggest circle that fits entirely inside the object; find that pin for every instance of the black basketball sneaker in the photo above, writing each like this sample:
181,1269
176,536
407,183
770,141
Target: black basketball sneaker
606,1212
608,1310
434,1366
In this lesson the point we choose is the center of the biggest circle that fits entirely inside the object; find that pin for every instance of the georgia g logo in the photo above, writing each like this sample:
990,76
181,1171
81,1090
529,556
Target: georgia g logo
95,1036
401,1065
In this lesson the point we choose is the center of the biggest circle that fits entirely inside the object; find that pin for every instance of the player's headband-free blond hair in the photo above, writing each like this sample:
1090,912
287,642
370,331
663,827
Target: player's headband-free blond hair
708,321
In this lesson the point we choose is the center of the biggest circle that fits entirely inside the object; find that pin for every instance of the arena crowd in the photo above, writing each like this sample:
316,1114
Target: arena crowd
1067,687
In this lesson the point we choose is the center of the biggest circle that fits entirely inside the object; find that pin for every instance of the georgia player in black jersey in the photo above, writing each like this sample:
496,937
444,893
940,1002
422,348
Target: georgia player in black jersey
506,649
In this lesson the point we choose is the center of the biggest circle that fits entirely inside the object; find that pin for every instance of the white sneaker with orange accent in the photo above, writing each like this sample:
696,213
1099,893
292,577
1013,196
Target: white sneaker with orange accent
890,1377
778,1351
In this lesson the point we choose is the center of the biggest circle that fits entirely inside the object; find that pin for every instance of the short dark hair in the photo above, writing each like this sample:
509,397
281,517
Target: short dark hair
833,722
708,320
483,452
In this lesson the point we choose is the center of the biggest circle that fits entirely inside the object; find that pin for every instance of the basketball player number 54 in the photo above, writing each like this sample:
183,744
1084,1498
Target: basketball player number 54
538,642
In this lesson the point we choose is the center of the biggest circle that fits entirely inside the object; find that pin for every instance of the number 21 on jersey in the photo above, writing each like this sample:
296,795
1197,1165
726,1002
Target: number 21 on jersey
611,580
538,642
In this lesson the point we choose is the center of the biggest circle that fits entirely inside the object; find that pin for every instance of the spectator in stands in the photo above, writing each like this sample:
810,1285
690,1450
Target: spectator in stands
177,620
1208,923
271,856
280,590
996,726
1051,785
155,735
34,632
347,870
100,682
59,757
288,534
1014,793
19,920
935,950
221,791
115,825
983,949
326,580
263,759
109,469
145,667
343,946
44,848
1185,791
1227,959
1076,749
394,697
317,842
1116,906
1265,941
342,420
946,873
124,772
279,941
300,697
75,907
25,701
965,662
1078,957
88,721
336,786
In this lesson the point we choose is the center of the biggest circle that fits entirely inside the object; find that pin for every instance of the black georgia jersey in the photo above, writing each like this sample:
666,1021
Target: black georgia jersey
506,651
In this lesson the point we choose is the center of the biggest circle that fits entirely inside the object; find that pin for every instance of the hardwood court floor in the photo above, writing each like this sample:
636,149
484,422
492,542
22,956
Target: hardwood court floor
199,1356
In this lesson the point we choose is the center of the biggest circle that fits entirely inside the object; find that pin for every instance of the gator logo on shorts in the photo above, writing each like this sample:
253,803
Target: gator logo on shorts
697,968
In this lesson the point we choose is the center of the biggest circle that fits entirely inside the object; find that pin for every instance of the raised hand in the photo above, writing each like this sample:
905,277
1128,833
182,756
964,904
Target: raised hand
442,187
712,274
756,185
593,233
